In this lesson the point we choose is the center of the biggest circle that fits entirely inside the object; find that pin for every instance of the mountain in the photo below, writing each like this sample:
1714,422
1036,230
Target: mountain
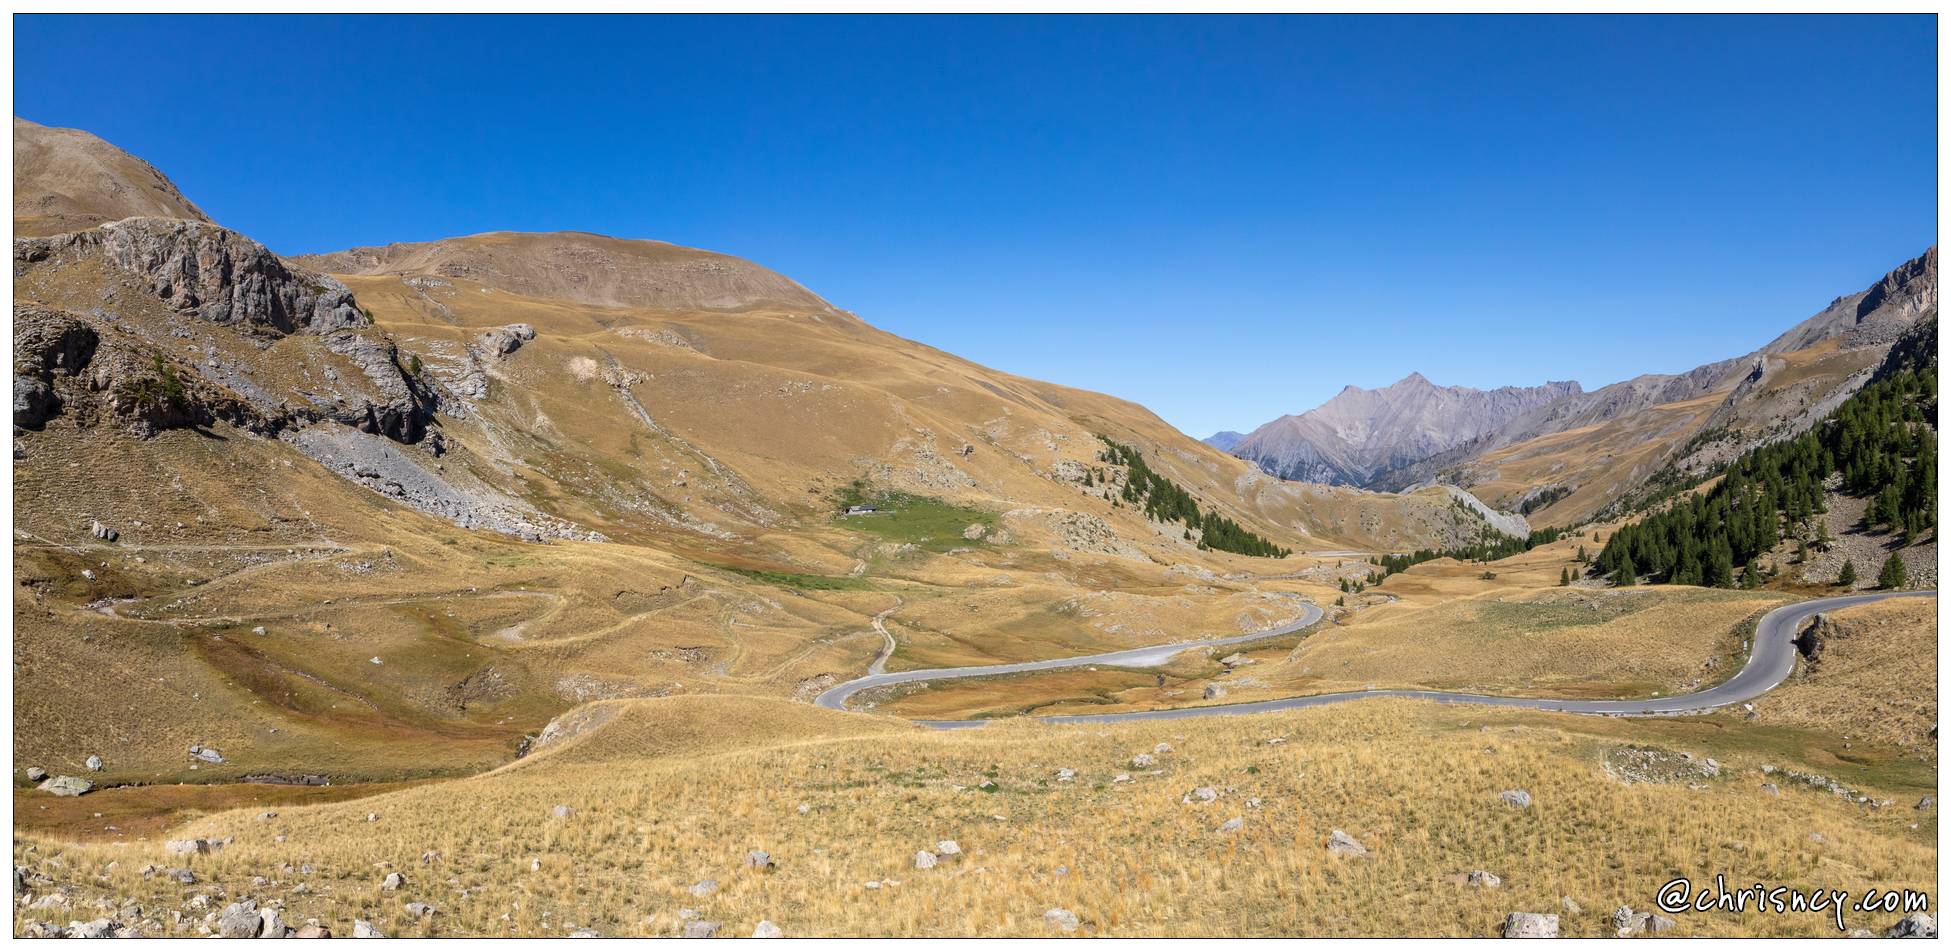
1224,440
381,512
67,180
1562,455
1361,433
1602,452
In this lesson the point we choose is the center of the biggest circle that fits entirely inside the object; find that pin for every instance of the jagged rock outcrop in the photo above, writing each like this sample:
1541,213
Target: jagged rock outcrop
212,272
216,276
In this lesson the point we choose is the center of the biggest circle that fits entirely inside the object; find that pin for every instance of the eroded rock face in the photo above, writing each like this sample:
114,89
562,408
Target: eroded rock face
223,277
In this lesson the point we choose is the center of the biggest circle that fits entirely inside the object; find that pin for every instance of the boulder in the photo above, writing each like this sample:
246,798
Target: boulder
36,774
1213,692
1063,920
1203,795
1917,925
1341,844
924,859
312,931
361,929
1143,760
420,910
1484,879
208,755
700,929
1516,798
948,848
704,887
759,859
94,762
96,929
766,930
103,532
393,882
502,341
1926,803
1530,925
1162,748
240,920
66,786
271,924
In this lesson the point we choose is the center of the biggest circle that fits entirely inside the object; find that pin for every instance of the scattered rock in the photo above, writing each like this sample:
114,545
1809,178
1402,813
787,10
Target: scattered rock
420,910
1162,748
66,786
1516,798
1066,775
700,929
103,532
1233,825
1484,879
96,929
1203,795
208,755
192,847
767,930
1569,906
1928,802
1144,760
759,859
361,929
393,881
585,934
94,762
502,341
1213,692
1121,778
240,920
259,631
1530,925
924,859
36,775
1341,844
1064,920
563,812
1771,790
1917,925
948,848
704,887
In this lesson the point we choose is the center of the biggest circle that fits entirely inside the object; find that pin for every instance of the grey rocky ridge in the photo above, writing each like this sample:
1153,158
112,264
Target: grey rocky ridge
1359,435
1414,432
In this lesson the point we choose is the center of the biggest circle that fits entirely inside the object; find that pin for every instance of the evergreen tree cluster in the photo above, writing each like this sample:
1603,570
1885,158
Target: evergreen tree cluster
1165,501
1883,443
1490,546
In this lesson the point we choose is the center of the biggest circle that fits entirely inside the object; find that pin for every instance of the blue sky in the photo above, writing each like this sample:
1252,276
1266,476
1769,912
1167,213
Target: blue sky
1224,219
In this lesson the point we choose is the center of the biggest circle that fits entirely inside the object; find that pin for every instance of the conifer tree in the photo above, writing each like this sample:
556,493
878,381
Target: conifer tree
1848,576
1892,575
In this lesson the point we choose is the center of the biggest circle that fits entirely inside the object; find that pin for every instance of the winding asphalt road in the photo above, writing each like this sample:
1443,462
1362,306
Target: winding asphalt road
1769,664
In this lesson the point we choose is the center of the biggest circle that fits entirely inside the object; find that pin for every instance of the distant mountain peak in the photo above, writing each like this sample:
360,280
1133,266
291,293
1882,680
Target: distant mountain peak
1361,433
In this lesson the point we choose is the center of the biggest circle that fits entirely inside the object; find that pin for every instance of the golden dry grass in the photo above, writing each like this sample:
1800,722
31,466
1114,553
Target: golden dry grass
1417,783
1877,682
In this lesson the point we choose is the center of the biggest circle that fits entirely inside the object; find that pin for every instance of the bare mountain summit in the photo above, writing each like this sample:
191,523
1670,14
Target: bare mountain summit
1361,433
67,180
